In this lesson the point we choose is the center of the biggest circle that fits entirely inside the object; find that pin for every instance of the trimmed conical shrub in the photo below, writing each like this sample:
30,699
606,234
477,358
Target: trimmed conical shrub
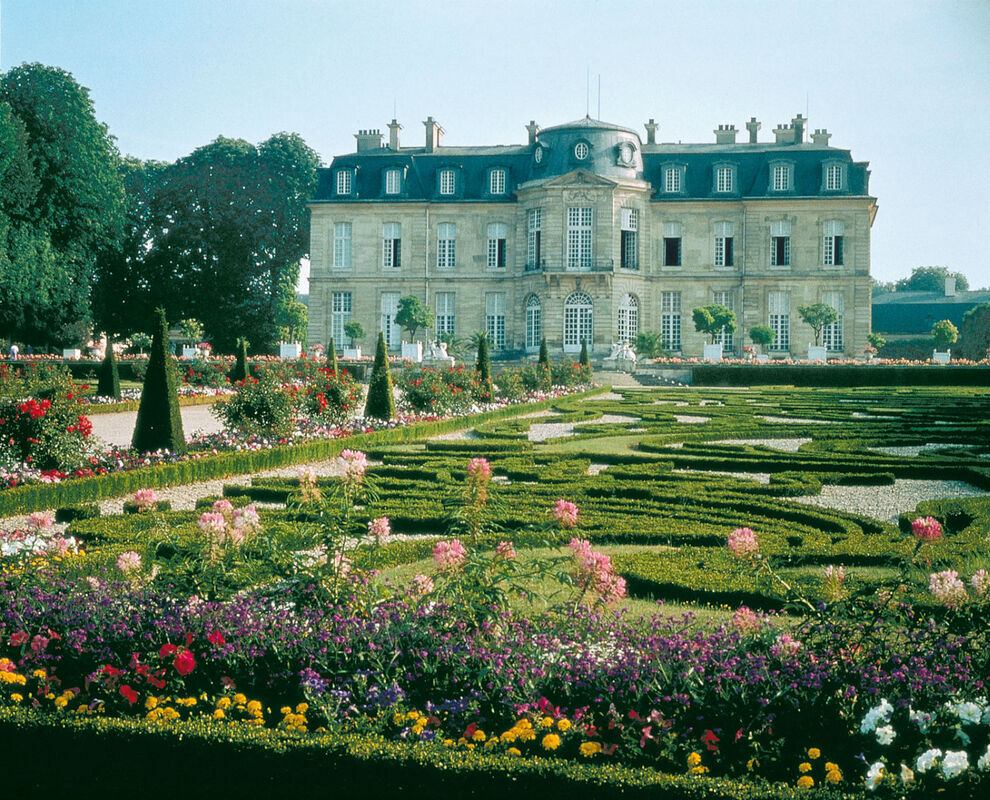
483,367
109,385
381,401
159,423
240,370
583,358
332,357
544,359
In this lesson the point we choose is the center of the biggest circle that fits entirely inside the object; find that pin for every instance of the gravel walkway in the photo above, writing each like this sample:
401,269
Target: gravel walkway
885,503
787,445
541,431
118,429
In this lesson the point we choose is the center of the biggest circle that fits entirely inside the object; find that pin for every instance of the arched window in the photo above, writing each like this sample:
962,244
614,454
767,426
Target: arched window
578,319
628,318
534,322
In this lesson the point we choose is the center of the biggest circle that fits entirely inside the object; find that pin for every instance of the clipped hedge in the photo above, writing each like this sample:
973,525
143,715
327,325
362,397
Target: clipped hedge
838,375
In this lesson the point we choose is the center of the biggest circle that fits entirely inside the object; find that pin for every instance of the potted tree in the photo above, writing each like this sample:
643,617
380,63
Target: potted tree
192,332
944,333
761,336
411,316
355,332
714,319
876,341
817,316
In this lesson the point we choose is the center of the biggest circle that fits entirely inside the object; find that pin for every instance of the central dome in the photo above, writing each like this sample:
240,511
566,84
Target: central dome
611,151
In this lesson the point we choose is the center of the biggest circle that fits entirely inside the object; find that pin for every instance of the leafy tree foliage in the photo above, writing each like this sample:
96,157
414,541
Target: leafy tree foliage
817,316
713,319
761,335
413,315
930,279
944,333
62,203
354,330
974,332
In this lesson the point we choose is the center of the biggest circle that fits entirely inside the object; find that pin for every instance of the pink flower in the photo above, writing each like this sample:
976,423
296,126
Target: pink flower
129,562
236,537
212,523
422,585
40,520
224,507
479,469
947,588
307,476
380,530
449,555
747,621
593,572
928,529
566,513
247,519
341,565
786,645
184,662
505,550
832,583
145,498
743,544
980,582
354,463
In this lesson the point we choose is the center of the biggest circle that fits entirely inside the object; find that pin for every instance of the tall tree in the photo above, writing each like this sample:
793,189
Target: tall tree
930,279
77,208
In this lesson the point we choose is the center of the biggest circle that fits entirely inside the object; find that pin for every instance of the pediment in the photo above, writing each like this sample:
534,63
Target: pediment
580,178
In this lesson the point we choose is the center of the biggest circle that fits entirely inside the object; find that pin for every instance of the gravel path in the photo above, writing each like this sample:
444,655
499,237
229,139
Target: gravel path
787,445
118,429
541,431
885,503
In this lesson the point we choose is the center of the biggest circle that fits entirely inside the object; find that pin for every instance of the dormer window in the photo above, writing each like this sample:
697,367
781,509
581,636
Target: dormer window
725,179
781,176
345,179
496,181
581,151
393,181
447,182
673,178
834,178
627,152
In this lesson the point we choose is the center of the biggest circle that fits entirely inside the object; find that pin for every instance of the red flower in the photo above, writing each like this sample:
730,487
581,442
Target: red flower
710,740
167,650
129,694
216,638
184,663
19,638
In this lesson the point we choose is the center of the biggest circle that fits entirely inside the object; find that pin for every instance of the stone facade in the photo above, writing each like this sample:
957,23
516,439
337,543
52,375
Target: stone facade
588,232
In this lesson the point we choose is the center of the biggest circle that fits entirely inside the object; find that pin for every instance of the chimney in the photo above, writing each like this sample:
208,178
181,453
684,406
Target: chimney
651,131
533,130
950,285
784,134
368,140
434,133
752,126
821,137
798,124
725,134
393,134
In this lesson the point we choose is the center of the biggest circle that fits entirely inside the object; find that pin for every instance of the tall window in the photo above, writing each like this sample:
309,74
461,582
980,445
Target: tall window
628,318
723,337
495,319
578,238
445,313
780,177
670,320
724,238
496,181
672,244
780,243
672,179
832,333
392,245
390,307
833,177
393,181
832,243
340,315
446,239
578,321
630,234
446,181
724,179
343,181
534,322
779,305
496,244
533,234
342,245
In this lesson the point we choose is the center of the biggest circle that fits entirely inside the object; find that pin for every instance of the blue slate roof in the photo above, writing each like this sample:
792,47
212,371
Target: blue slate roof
472,166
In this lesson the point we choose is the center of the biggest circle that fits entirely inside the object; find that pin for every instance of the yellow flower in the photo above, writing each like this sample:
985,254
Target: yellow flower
694,759
527,735
254,708
804,767
814,752
589,749
218,714
479,736
448,742
417,729
40,674
398,719
699,770
285,710
188,702
151,703
302,708
805,782
550,742
524,723
412,715
752,764
171,713
16,697
829,766
563,724
514,751
240,699
493,742
546,722
61,702
833,776
509,735
14,678
223,703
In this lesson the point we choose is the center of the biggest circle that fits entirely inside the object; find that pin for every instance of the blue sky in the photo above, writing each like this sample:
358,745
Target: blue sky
904,85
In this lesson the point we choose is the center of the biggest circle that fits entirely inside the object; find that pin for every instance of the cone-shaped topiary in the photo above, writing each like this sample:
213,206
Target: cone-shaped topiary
332,357
240,370
544,358
583,358
483,366
159,423
381,401
109,385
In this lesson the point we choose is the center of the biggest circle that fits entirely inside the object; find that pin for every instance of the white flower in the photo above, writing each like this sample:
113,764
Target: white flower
955,763
876,715
921,718
927,759
886,734
874,775
907,774
984,762
967,712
